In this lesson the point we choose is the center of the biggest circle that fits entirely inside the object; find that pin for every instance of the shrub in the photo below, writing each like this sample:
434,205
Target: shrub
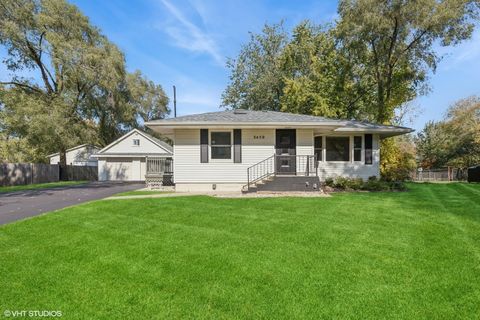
372,184
341,183
329,182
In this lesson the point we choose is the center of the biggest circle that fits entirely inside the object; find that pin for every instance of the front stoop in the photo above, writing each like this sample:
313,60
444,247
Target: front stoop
287,184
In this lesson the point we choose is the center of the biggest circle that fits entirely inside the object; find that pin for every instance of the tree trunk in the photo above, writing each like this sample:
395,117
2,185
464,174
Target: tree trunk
63,157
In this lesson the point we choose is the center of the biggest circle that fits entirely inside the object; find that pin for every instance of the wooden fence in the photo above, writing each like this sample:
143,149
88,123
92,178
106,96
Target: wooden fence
443,174
12,174
77,173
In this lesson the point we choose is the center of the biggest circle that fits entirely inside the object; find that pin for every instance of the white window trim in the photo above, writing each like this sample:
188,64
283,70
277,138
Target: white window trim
362,149
350,151
210,159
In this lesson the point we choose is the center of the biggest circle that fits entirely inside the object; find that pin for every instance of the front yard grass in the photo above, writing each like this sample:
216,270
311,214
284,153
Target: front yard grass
40,186
392,255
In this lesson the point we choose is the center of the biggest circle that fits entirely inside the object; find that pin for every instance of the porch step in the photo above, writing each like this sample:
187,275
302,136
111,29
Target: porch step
288,183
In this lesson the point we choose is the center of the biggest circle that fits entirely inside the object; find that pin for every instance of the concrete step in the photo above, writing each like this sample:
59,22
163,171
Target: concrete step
291,183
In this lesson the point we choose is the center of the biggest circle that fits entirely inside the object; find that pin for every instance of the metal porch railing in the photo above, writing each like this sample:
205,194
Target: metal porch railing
159,172
299,165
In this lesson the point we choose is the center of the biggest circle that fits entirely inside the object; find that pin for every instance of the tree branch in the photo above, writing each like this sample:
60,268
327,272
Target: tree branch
22,85
39,63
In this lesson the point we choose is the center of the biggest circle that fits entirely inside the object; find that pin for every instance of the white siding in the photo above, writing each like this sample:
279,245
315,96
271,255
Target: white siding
82,156
78,157
351,169
304,142
188,169
55,159
126,146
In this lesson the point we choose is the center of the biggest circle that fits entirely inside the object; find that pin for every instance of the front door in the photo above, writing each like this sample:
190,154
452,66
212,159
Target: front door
285,150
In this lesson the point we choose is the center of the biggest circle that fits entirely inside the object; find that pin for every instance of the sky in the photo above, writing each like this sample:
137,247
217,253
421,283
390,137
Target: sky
187,42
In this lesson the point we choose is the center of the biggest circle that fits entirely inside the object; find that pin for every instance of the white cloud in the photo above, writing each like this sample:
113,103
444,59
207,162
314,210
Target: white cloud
189,36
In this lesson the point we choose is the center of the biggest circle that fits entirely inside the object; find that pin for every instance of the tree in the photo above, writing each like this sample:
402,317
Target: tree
256,80
394,40
80,91
148,99
398,156
455,141
319,75
433,145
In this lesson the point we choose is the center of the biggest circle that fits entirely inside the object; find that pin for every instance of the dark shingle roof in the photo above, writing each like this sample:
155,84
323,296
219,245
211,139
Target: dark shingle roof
165,145
250,116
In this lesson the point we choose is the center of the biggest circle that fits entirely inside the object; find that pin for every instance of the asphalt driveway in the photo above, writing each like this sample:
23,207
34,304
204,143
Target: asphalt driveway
22,204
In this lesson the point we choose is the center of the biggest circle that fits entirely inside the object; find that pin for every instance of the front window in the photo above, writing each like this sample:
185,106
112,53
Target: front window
136,142
357,148
338,148
221,144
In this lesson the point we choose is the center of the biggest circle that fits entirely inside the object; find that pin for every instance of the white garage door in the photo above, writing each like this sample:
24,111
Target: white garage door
117,169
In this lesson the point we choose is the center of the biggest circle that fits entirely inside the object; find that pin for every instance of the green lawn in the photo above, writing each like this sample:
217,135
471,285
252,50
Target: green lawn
405,255
40,186
140,193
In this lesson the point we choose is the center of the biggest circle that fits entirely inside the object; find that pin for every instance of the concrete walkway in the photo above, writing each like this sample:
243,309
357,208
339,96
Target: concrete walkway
224,195
22,204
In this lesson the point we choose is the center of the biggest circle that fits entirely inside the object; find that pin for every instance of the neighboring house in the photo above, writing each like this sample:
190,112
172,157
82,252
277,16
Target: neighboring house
77,156
230,149
125,158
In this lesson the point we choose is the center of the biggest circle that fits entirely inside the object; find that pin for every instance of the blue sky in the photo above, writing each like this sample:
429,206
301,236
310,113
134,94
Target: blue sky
186,43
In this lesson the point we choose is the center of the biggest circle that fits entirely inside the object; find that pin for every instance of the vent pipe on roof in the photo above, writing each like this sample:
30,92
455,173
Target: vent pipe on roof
174,102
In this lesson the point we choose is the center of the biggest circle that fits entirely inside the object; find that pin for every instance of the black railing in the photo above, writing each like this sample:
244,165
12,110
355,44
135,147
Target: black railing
261,170
157,165
305,165
159,172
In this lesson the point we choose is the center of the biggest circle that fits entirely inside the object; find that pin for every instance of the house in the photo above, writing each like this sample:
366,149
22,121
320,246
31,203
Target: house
77,156
235,149
125,159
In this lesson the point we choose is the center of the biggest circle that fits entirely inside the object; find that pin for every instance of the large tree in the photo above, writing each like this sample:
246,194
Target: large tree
395,42
256,80
319,76
77,89
376,58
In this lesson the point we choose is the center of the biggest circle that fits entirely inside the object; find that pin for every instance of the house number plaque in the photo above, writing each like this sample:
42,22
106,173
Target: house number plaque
258,137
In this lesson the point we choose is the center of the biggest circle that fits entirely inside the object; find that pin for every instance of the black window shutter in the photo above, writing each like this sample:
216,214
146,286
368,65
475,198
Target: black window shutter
318,147
203,145
237,145
368,149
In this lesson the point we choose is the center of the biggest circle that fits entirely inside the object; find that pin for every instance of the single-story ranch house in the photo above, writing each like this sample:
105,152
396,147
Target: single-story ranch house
125,158
235,149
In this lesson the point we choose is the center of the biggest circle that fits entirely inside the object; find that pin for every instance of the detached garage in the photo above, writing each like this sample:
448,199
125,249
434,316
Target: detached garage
125,158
